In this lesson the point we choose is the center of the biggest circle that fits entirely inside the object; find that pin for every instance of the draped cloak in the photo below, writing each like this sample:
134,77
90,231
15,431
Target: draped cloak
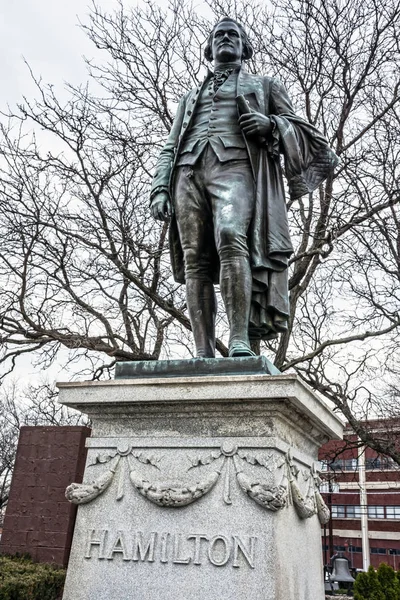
308,161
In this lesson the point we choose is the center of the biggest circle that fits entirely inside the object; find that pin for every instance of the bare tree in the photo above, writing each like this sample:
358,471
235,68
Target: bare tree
84,267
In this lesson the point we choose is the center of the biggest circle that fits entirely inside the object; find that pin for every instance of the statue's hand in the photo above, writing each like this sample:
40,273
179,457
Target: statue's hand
255,124
161,206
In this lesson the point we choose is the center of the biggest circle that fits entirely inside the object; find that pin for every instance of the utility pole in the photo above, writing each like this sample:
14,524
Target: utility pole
330,524
363,507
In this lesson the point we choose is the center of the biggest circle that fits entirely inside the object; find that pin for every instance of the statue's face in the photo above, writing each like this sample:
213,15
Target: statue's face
227,45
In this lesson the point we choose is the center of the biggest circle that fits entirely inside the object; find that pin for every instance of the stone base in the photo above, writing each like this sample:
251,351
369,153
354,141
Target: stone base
201,488
195,367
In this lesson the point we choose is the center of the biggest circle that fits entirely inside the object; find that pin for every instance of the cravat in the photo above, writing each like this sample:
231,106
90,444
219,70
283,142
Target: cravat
220,77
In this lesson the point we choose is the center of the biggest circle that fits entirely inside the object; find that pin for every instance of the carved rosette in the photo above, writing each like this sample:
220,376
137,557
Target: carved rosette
225,461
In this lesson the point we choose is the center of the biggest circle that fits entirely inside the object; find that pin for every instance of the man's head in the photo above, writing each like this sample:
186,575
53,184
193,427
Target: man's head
228,42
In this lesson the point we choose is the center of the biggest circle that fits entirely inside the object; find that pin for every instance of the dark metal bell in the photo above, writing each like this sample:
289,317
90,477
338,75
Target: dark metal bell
341,572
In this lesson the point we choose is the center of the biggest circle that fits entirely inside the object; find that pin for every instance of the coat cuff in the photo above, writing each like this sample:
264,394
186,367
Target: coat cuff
157,190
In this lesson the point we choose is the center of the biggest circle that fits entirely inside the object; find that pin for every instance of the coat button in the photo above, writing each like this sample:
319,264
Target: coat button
185,124
189,112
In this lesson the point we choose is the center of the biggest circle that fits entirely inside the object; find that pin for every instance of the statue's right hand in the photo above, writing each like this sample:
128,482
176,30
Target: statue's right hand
161,206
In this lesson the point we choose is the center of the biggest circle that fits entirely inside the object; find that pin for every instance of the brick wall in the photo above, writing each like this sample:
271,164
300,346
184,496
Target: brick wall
383,490
39,520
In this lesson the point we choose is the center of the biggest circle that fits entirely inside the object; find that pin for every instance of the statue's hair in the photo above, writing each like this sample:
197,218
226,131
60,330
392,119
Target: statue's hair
247,47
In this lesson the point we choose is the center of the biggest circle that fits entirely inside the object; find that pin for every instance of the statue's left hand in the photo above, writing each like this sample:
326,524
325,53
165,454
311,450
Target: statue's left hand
255,124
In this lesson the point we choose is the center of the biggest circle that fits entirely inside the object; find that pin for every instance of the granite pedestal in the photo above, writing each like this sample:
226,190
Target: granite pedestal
199,487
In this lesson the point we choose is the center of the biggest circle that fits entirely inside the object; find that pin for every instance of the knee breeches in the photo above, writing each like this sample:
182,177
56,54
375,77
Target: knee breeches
214,205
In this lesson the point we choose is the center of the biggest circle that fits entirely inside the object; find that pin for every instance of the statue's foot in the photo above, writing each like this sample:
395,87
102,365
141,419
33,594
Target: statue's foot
201,354
237,349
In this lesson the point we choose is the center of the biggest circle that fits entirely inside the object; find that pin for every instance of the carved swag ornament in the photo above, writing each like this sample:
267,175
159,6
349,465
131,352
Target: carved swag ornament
225,460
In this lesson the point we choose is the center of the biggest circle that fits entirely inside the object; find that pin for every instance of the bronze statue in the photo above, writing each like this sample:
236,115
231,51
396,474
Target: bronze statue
219,180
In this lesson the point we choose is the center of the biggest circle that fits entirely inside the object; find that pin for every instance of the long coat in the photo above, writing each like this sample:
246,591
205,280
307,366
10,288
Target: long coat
308,161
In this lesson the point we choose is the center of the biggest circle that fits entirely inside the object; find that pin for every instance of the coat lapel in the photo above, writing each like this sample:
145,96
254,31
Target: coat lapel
191,102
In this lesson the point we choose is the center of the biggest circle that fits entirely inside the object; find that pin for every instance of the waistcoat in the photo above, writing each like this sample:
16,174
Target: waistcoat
215,122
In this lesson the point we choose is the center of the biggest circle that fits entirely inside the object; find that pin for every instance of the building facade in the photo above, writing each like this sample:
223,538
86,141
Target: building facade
342,463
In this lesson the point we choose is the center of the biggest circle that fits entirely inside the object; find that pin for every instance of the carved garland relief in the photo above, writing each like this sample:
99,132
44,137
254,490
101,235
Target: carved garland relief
227,459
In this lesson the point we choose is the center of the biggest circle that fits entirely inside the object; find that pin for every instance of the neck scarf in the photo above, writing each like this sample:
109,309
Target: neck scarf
221,76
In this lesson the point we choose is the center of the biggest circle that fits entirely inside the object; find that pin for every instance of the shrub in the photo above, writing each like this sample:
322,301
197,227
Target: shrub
389,583
383,584
22,579
361,587
368,587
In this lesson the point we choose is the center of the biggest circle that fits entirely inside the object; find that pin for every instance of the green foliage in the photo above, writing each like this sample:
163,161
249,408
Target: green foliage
383,584
389,582
361,587
22,579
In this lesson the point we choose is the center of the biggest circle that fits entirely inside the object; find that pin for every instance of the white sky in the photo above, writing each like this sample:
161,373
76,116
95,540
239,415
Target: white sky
47,35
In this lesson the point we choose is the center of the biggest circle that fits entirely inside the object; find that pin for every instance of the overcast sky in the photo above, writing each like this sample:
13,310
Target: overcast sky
47,35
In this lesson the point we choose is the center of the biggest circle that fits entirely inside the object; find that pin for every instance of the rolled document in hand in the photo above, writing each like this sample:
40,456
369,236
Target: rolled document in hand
243,105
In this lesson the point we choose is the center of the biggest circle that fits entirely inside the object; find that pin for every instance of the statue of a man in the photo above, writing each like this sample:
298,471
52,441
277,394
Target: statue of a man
219,180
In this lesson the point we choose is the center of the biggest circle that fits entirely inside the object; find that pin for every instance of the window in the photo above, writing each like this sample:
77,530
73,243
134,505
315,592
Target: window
357,549
340,548
353,512
349,464
349,511
329,486
393,512
394,552
336,466
376,512
380,462
378,550
338,511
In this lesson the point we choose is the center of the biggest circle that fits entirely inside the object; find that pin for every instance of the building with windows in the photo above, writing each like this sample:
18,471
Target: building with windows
379,510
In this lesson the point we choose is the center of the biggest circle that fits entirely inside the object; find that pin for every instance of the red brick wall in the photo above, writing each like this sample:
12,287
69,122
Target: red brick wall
377,495
39,520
